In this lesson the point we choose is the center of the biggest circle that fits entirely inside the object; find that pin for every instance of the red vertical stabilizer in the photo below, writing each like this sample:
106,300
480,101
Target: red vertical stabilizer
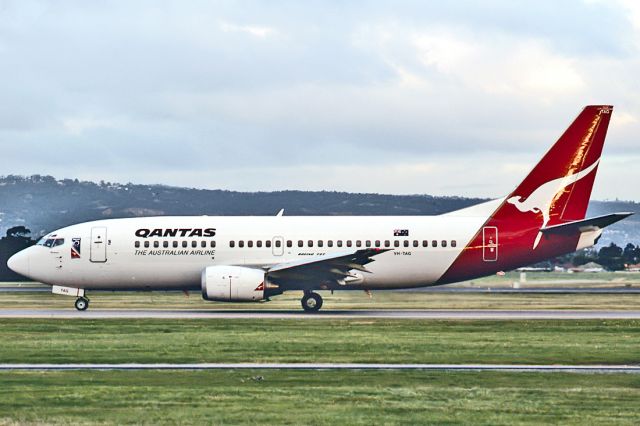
556,191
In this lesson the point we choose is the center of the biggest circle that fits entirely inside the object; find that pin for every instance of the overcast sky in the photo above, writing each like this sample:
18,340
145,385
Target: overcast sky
428,97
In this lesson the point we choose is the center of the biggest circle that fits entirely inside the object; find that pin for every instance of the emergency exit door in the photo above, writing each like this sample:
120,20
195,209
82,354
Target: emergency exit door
98,244
278,246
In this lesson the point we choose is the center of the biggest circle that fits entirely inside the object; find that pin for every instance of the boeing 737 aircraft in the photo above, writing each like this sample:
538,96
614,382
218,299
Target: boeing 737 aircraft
254,258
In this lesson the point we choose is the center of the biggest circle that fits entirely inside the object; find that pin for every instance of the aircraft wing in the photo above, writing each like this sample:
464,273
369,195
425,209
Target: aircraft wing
330,270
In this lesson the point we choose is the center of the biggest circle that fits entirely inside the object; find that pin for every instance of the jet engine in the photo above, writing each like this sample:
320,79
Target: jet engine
232,284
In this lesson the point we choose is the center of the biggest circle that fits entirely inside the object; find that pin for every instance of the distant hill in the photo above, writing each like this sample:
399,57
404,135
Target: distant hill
43,203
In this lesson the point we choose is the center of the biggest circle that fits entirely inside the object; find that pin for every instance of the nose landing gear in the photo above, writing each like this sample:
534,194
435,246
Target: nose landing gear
311,302
82,303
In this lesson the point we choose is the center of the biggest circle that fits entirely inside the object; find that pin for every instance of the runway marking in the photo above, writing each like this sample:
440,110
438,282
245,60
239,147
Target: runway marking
558,314
332,366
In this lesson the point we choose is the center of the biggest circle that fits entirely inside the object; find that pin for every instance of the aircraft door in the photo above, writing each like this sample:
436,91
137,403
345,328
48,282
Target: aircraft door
277,246
98,244
490,244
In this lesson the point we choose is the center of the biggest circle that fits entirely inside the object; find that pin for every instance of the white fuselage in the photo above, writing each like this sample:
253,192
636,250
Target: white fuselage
116,254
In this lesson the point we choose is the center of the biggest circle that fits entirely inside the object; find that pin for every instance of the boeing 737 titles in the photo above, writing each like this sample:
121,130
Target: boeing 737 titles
252,259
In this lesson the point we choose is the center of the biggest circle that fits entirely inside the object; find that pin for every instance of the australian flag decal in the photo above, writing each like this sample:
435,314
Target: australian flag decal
75,248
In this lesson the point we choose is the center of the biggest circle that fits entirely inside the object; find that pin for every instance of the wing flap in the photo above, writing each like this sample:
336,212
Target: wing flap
333,269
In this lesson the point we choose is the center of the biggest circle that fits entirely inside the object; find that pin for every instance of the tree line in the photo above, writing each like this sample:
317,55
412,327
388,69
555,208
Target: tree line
16,239
611,257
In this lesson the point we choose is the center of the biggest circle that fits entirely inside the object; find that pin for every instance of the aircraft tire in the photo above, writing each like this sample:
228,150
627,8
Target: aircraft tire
82,303
311,302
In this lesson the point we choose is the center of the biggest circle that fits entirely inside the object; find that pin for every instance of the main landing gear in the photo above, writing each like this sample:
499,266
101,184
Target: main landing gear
311,302
82,303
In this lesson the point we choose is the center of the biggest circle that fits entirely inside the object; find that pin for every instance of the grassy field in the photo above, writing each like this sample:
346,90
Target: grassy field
339,300
380,299
325,397
286,340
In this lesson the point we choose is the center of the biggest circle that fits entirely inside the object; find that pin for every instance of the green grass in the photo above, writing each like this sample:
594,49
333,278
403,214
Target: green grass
321,340
325,397
339,300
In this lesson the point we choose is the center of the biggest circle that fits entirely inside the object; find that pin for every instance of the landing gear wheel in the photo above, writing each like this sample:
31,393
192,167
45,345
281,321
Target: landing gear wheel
311,302
82,303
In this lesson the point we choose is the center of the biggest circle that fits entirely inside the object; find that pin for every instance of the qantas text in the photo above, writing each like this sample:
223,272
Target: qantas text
176,232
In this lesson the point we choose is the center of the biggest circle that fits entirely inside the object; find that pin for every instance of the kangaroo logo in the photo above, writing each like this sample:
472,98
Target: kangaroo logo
540,200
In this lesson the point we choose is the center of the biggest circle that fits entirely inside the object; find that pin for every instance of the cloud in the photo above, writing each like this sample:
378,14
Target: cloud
76,126
259,32
313,95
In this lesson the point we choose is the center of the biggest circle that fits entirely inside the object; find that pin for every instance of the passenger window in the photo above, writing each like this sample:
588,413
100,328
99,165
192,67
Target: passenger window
330,243
416,243
137,244
387,243
406,243
367,243
339,243
241,243
165,244
425,243
348,243
156,244
278,243
444,243
232,244
203,244
377,243
185,244
289,243
250,244
258,243
434,243
358,243
453,243
310,243
396,243
213,244
320,243
146,244
194,244
300,243
175,244
267,244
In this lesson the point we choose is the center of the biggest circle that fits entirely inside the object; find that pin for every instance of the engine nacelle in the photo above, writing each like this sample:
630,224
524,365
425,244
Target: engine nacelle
232,284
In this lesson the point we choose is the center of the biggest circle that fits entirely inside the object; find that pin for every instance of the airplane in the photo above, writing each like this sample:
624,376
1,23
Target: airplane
254,258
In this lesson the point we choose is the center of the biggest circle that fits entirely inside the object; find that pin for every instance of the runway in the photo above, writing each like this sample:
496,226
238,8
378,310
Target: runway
437,290
471,314
334,366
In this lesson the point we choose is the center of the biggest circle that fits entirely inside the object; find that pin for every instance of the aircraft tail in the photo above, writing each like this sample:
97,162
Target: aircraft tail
559,186
555,192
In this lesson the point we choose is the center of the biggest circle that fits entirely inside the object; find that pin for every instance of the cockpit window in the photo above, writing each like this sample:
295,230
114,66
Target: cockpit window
51,242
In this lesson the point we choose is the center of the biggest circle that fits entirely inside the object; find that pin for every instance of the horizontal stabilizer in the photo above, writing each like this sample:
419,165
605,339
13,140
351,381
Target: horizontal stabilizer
594,223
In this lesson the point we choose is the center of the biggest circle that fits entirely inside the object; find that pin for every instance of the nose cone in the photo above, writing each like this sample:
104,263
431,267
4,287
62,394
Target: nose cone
19,263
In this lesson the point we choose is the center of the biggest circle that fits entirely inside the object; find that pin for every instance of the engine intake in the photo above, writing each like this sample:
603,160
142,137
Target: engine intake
232,284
